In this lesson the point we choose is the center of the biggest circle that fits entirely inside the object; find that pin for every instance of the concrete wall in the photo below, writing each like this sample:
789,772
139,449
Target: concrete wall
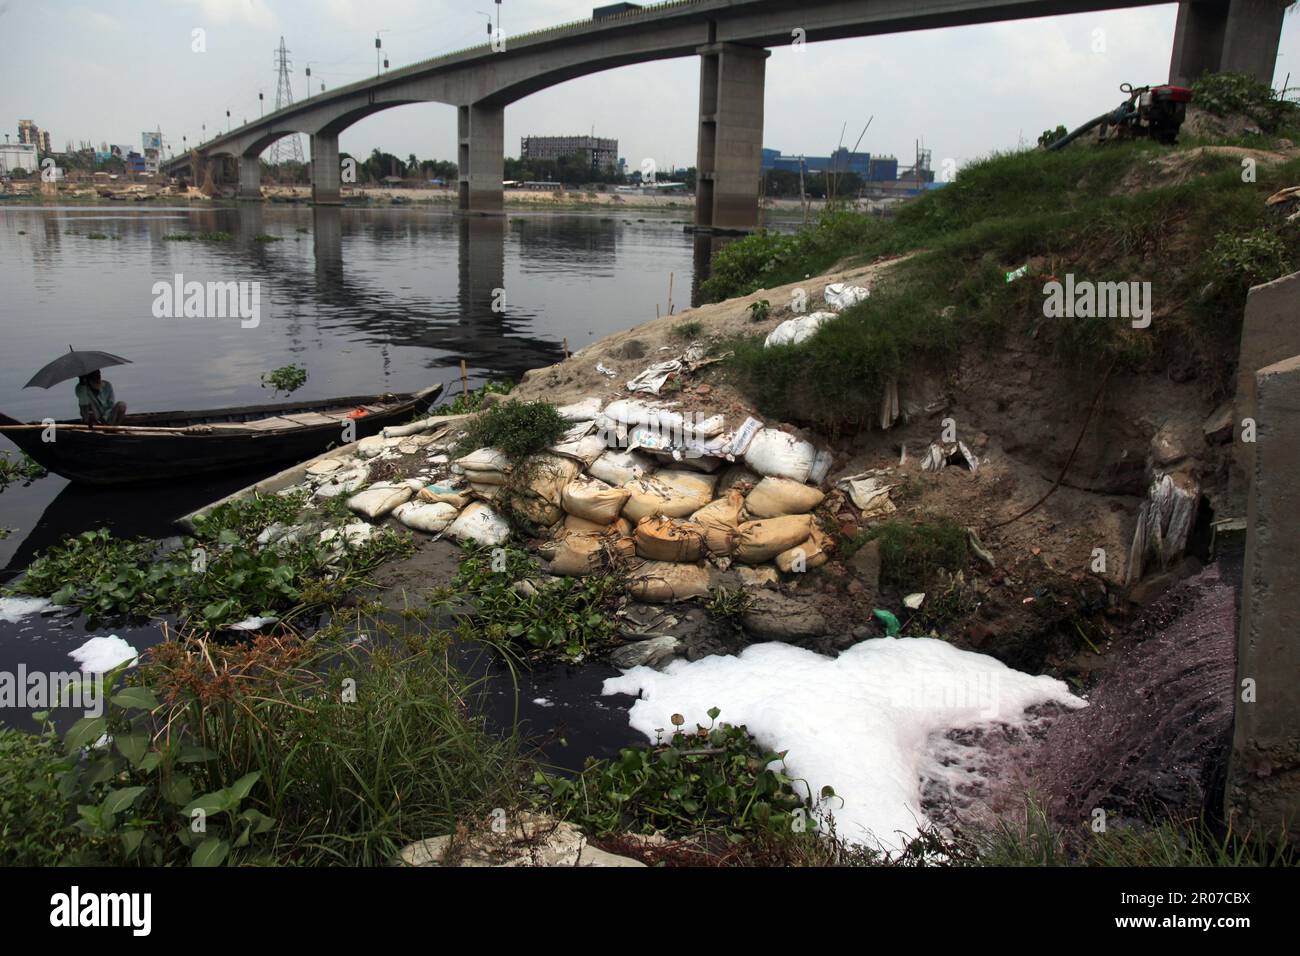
1263,792
1270,332
1237,36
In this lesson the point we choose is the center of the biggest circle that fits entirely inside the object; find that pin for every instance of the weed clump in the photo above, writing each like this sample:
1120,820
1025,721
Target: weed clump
1225,94
519,429
912,554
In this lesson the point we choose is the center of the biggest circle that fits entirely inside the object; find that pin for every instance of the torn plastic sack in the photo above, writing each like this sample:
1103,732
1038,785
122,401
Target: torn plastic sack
869,494
942,454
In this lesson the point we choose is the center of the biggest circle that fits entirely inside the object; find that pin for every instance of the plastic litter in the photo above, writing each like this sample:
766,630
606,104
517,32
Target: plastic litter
892,627
796,330
840,295
869,494
914,601
942,454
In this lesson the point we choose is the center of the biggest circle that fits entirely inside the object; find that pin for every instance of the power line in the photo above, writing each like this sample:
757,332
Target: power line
286,148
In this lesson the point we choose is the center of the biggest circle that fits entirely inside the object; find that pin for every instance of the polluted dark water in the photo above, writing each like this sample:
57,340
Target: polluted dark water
368,300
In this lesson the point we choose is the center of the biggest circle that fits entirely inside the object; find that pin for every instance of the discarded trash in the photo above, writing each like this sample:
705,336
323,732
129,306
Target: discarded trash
600,367
869,494
840,295
892,627
253,623
914,601
942,454
793,331
1015,274
653,378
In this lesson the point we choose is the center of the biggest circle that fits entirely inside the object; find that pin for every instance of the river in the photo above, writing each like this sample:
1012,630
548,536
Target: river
367,299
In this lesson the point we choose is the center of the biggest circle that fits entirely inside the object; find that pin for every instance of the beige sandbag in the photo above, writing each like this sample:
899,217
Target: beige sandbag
424,516
669,492
439,494
719,521
487,492
582,554
807,555
547,477
378,500
480,524
669,539
774,497
658,582
594,500
759,541
575,525
620,467
486,477
737,476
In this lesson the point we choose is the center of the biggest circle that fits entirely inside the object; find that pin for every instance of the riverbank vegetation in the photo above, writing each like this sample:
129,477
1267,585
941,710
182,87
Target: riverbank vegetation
1191,222
22,469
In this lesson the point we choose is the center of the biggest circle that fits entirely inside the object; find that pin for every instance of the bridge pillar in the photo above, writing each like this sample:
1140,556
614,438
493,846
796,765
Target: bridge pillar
729,157
481,134
326,187
250,177
1226,36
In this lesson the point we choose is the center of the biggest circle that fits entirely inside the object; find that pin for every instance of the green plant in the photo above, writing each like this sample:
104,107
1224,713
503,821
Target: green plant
568,617
1225,94
35,820
286,378
688,330
248,517
265,237
24,470
519,429
759,311
1242,260
1050,136
212,236
913,553
728,605
472,400
713,778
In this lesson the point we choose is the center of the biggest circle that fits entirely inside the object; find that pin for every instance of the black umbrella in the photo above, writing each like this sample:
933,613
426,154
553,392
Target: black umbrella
72,365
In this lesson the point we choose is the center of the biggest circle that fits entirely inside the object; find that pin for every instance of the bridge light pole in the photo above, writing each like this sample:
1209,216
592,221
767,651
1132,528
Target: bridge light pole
260,111
308,81
377,48
228,126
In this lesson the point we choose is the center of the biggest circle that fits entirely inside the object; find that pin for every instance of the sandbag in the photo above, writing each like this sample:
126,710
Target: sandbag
480,524
594,500
774,497
547,477
378,500
585,449
669,539
425,516
812,552
581,554
739,477
620,467
796,330
486,466
841,295
658,582
670,492
486,492
776,454
440,494
583,411
763,540
719,520
575,525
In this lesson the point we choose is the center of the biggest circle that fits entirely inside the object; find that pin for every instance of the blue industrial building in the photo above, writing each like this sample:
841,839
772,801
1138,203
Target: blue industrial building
878,169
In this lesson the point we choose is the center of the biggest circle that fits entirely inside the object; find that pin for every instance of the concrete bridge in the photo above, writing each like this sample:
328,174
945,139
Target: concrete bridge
731,38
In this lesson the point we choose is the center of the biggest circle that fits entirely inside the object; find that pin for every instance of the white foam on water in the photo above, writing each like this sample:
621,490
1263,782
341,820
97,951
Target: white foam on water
861,722
13,609
100,654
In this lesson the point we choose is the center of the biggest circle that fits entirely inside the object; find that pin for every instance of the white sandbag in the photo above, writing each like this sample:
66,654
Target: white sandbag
324,467
670,492
775,454
774,497
841,295
425,516
353,533
632,415
379,499
619,467
659,582
585,449
480,524
485,459
796,330
763,540
583,411
594,500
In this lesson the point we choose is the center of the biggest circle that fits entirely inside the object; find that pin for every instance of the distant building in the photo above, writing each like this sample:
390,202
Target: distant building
18,156
596,152
879,169
29,134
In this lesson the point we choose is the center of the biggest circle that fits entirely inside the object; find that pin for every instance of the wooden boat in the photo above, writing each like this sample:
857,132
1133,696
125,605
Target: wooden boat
160,446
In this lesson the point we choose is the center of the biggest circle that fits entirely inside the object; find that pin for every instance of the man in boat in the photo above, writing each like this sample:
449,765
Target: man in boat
98,406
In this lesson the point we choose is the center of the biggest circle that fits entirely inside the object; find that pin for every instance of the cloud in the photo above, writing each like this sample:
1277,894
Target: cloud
253,13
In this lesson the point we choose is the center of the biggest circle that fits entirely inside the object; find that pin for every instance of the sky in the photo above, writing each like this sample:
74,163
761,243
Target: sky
105,70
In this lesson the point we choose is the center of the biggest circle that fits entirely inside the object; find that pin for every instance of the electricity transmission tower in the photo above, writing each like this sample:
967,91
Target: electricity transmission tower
287,148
